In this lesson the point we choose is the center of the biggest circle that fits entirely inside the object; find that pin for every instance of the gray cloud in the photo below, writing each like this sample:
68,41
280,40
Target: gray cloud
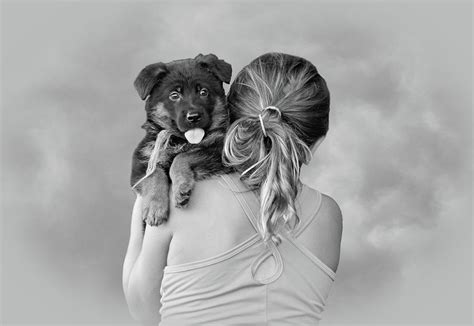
396,157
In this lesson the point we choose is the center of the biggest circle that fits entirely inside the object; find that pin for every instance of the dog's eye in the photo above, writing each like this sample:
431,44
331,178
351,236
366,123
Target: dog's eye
174,96
203,92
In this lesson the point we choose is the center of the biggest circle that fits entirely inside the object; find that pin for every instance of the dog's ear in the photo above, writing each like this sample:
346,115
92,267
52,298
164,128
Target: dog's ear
219,68
148,78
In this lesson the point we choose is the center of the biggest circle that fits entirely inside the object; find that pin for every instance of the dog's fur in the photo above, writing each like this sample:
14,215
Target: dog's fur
167,119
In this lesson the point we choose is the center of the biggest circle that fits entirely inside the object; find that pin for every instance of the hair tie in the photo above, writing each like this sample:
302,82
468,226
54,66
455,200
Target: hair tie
274,108
262,125
270,107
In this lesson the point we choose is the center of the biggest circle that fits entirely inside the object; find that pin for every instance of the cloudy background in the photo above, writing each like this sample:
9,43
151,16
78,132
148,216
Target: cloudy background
397,158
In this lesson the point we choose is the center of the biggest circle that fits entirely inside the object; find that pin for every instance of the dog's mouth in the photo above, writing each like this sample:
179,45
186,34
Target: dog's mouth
193,125
191,136
195,135
192,120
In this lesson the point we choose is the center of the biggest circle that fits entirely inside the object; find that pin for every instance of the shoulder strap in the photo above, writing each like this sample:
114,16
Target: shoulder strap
247,199
315,205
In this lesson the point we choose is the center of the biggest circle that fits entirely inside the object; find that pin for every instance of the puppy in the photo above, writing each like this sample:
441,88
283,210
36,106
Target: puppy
186,120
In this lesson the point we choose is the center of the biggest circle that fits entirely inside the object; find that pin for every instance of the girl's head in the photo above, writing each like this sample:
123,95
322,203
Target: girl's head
279,109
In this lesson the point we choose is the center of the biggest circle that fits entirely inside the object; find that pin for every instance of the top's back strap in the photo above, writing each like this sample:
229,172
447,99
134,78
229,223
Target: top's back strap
247,199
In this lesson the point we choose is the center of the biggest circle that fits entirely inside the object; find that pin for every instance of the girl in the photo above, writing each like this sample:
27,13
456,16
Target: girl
257,246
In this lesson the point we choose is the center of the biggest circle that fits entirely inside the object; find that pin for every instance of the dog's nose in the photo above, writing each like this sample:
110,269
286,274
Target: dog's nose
193,116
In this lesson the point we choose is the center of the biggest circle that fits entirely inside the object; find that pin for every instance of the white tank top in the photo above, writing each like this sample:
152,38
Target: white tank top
255,283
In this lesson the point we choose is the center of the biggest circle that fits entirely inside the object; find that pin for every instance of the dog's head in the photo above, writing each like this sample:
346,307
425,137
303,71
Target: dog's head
185,94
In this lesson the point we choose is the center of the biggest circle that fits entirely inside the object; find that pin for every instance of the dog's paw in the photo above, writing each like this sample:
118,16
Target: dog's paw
182,193
155,212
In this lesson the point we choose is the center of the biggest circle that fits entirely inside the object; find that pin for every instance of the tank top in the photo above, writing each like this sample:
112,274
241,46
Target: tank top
276,282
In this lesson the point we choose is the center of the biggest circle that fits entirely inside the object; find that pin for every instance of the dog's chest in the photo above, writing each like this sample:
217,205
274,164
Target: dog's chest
175,146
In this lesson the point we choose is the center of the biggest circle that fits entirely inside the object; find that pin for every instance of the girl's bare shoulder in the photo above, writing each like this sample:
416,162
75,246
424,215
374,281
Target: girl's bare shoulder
329,208
210,198
324,234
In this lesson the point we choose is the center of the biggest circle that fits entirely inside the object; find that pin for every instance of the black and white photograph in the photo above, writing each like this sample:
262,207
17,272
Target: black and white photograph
238,162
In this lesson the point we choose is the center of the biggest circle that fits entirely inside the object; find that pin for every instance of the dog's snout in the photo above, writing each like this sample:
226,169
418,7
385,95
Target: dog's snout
193,116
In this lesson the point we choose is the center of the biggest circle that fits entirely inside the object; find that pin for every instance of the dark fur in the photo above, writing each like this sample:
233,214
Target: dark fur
180,162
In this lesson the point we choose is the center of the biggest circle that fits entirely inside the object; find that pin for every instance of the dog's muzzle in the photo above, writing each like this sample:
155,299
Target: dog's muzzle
190,119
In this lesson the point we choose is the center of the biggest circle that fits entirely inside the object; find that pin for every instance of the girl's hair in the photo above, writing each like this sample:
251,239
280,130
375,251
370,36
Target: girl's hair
279,107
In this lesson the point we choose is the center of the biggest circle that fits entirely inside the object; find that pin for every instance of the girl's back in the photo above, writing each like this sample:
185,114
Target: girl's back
220,270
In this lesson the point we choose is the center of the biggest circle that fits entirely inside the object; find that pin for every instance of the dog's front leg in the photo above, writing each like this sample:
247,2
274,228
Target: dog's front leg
155,190
182,177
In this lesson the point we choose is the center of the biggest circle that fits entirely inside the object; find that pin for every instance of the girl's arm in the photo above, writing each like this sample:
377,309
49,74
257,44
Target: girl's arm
143,266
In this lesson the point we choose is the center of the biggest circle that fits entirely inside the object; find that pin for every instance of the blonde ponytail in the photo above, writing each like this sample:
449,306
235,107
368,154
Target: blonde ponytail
267,142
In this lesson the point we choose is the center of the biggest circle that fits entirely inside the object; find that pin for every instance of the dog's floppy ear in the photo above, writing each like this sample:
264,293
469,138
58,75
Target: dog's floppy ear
148,78
219,68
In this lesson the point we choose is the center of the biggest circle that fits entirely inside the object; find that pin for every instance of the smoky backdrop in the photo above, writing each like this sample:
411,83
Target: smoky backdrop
397,158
